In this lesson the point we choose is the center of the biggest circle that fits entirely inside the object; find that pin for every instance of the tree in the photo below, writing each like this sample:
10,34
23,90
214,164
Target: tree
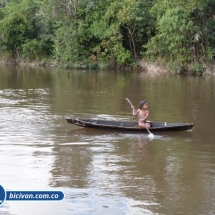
14,29
183,30
131,19
22,30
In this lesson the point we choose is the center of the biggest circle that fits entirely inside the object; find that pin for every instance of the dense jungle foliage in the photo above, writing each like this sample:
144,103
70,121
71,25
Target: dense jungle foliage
100,33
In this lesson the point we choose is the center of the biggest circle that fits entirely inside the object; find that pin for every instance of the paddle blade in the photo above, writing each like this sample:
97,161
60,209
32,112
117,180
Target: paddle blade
151,136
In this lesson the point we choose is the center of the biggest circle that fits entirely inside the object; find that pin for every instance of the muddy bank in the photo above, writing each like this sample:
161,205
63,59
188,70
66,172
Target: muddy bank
158,67
153,67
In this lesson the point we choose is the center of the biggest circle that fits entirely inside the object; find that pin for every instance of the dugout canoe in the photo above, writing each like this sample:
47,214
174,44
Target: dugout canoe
125,125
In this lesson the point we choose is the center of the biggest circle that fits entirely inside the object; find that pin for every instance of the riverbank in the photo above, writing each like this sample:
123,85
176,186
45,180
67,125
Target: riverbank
159,67
153,67
27,63
156,67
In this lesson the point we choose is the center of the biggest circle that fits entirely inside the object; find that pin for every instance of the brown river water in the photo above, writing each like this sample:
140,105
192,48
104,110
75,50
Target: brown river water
102,171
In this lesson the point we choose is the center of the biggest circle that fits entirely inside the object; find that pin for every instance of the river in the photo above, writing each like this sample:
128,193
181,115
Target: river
99,171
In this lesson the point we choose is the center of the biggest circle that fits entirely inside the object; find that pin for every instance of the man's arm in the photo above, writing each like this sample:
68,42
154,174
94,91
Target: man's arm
134,112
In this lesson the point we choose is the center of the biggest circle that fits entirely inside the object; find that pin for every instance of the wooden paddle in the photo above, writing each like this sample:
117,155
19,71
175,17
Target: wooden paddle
132,106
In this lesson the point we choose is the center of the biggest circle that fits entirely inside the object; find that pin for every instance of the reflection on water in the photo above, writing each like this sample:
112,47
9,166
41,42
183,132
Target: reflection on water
105,171
140,146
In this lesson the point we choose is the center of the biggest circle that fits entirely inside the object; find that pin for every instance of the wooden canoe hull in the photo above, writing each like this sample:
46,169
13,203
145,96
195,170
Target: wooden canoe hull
125,125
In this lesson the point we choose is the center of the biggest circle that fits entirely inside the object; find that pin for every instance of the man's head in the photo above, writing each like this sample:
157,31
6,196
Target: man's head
143,104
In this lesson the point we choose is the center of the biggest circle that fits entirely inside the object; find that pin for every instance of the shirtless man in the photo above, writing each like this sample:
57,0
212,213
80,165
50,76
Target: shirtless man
143,114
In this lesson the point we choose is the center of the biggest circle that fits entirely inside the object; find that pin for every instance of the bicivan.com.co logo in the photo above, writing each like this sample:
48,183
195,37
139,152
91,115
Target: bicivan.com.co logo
2,195
30,195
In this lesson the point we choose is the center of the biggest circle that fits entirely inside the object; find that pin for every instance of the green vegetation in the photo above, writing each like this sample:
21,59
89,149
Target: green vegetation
101,33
